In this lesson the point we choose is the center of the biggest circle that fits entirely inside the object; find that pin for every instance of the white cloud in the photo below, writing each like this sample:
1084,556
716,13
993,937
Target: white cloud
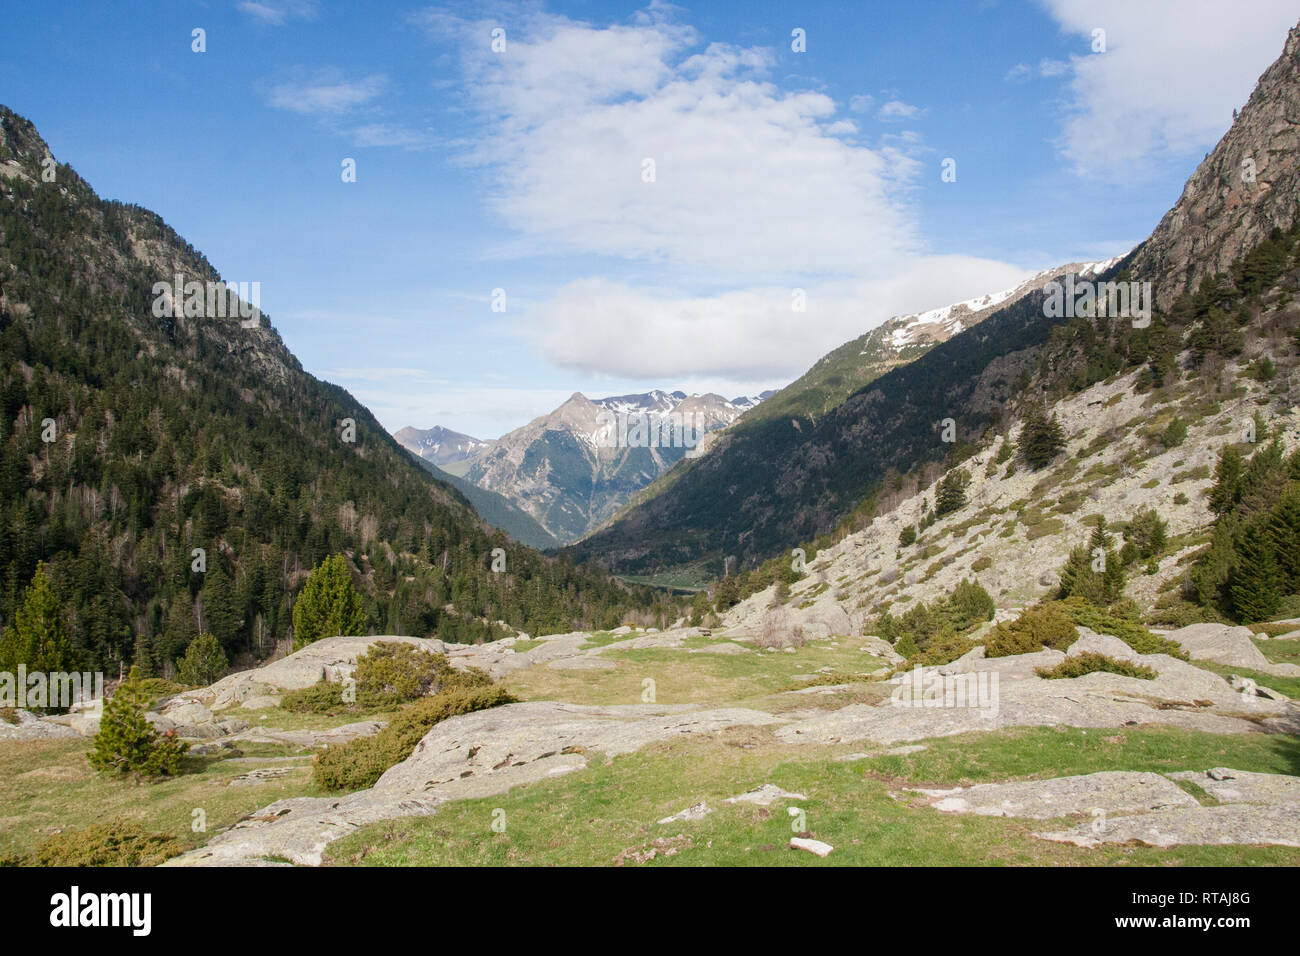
861,103
388,134
278,12
1171,75
595,325
750,180
326,94
897,109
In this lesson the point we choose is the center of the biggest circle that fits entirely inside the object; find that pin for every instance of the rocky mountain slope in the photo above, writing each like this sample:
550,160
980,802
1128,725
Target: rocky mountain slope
1244,189
573,468
438,445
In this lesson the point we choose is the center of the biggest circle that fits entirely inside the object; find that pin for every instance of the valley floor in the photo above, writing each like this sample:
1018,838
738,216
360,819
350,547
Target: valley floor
629,749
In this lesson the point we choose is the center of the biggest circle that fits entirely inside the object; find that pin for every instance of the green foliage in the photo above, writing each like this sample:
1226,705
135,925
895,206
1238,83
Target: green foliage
935,633
969,604
1175,433
950,495
907,536
328,605
700,607
115,843
402,672
1082,664
1096,572
38,638
1041,438
1251,569
1145,537
204,662
359,763
1120,621
127,743
1035,629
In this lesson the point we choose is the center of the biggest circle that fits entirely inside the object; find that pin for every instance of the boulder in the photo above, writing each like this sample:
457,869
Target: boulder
1117,791
1221,644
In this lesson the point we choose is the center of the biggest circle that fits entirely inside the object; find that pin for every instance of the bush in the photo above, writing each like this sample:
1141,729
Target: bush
943,650
204,662
404,672
388,675
1036,628
116,843
1128,630
359,763
1175,434
907,536
969,604
1082,664
127,743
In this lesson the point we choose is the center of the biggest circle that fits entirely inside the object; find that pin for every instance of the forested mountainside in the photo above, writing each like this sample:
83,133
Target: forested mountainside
174,472
782,481
496,509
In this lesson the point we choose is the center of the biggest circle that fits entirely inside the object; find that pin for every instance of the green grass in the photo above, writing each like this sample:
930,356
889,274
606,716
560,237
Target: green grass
748,679
595,816
1283,685
48,786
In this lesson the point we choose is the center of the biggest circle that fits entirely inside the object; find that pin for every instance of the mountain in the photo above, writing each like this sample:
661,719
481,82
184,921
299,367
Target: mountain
803,465
740,456
496,510
573,468
175,469
439,445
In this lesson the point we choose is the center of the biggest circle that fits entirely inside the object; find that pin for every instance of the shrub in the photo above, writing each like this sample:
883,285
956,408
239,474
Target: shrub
1082,664
970,604
907,536
1128,630
127,743
943,650
1034,629
357,764
116,843
1175,434
404,672
906,647
204,662
388,675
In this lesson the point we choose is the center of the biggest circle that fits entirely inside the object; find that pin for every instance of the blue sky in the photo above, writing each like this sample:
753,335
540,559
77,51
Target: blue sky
523,169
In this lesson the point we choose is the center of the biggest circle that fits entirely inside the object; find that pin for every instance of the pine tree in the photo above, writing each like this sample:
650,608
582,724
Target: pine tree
1041,438
221,616
700,606
180,628
204,662
1227,488
38,638
1255,581
128,743
950,496
329,605
1284,530
143,655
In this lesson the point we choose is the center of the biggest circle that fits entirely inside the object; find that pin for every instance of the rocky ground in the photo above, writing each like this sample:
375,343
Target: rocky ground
845,700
